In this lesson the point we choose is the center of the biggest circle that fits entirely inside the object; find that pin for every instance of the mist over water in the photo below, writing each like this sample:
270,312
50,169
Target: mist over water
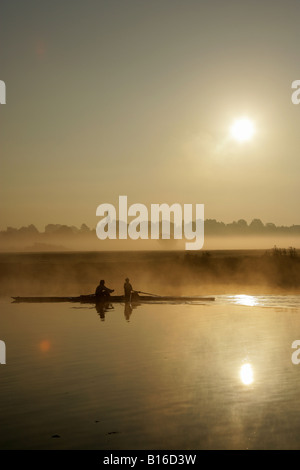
162,272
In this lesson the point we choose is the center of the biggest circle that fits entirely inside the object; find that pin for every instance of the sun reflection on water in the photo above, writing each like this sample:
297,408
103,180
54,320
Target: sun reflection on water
248,300
246,374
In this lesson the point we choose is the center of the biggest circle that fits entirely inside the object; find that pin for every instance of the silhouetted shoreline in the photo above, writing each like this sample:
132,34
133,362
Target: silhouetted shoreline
234,235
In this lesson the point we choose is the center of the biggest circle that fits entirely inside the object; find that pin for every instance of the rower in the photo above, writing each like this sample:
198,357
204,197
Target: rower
129,293
102,291
127,290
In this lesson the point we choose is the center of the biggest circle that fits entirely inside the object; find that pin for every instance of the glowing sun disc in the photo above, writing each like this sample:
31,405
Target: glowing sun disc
242,130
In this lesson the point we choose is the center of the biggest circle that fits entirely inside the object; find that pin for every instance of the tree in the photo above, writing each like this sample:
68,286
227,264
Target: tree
256,225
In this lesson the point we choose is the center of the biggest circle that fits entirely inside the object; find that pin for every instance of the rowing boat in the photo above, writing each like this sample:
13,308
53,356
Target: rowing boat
92,299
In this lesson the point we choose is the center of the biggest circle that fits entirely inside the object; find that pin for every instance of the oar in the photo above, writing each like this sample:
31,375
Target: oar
146,293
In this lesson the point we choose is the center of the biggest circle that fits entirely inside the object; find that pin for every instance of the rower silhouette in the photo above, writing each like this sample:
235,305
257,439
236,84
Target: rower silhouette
130,294
127,290
103,292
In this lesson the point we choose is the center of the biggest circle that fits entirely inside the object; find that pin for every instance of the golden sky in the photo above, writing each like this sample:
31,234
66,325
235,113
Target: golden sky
136,98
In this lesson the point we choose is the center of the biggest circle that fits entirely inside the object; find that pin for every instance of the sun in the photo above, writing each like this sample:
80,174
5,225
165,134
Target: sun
242,130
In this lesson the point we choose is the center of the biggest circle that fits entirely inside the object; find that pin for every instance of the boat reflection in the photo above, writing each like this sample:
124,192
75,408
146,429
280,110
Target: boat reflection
103,307
127,310
128,307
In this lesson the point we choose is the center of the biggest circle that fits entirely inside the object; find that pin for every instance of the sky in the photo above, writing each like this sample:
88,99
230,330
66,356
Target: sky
136,98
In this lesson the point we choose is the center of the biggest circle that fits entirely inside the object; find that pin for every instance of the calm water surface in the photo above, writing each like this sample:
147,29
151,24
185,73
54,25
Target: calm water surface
207,376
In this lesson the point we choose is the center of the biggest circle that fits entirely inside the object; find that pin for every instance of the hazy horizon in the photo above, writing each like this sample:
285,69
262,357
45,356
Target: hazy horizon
84,225
237,235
